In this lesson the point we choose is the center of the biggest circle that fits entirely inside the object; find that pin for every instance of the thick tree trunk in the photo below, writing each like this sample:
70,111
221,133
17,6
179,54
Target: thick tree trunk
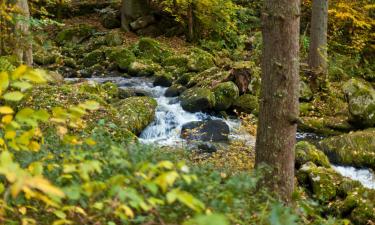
23,47
132,10
279,94
317,59
190,15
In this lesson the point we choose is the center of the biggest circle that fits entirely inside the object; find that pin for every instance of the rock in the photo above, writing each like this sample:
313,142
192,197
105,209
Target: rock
200,60
163,80
212,130
70,62
143,68
305,93
142,22
197,99
121,56
113,38
55,78
208,78
149,48
93,58
176,64
75,35
174,91
207,147
137,112
355,149
150,31
44,58
225,94
246,103
361,100
326,126
110,18
320,181
185,78
306,152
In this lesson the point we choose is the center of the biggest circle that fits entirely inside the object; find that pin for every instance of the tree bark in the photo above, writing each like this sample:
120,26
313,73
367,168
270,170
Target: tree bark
132,10
317,58
279,94
190,15
23,46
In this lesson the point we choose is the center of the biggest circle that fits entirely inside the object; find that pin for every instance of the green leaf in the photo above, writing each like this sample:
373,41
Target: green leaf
22,85
4,81
14,96
90,105
212,219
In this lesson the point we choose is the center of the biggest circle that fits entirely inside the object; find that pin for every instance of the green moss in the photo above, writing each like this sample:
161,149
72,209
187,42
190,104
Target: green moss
324,125
93,58
143,67
356,148
306,152
75,35
123,57
197,99
137,112
208,78
149,48
246,103
200,60
225,94
305,92
5,65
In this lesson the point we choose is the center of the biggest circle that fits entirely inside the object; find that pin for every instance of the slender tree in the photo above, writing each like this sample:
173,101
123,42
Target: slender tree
23,46
279,94
317,59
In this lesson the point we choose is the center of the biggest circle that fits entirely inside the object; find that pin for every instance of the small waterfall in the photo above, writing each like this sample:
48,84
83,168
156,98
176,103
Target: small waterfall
365,176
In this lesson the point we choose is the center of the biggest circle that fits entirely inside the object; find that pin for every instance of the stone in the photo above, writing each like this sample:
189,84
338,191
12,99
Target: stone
163,80
200,60
225,94
75,35
246,103
123,57
174,91
142,68
211,130
306,152
361,99
92,58
149,48
142,22
110,18
197,99
356,148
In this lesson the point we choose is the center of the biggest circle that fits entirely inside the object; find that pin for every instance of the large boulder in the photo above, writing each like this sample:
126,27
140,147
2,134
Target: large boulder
142,22
174,91
163,79
197,99
212,130
122,57
75,35
246,103
137,112
200,60
93,58
306,152
355,149
143,68
149,48
225,94
110,18
361,100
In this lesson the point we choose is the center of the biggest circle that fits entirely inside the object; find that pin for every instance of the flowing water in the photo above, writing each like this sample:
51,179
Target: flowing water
170,117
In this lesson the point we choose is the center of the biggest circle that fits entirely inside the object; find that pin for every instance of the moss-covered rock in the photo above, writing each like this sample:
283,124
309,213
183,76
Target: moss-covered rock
200,60
306,152
113,38
149,48
361,100
208,78
163,79
93,58
246,103
197,99
137,112
75,35
122,57
143,68
320,181
174,90
356,148
176,64
225,94
326,126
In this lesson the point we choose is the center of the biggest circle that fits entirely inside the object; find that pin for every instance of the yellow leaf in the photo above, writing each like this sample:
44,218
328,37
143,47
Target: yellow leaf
22,210
7,119
46,187
4,81
34,146
17,73
10,134
6,110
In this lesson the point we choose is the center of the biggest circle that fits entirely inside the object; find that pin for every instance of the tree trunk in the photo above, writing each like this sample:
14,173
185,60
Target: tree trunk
23,46
317,59
279,94
190,15
132,10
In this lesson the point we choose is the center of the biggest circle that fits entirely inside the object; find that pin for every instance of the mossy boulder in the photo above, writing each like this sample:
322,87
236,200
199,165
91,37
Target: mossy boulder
200,60
174,90
122,57
305,93
209,78
246,103
197,99
320,181
355,149
113,38
361,100
225,94
75,35
137,112
93,58
306,152
110,18
176,64
143,68
45,57
163,79
326,126
149,48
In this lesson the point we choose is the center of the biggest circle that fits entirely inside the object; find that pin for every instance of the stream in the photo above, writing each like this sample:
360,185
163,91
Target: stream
170,117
